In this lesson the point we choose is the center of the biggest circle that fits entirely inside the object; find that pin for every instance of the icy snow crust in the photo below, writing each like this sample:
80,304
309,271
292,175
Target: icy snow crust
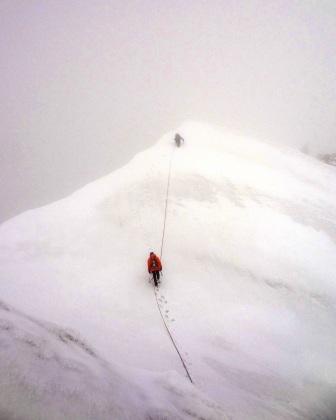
248,291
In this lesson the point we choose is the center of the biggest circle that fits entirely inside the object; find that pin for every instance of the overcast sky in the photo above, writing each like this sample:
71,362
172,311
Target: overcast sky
86,84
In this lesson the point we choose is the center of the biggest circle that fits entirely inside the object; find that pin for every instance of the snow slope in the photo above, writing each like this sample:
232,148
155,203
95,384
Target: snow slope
51,373
249,287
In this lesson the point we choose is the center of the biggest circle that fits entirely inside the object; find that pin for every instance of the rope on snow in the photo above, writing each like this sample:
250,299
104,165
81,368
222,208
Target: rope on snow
166,204
172,339
162,242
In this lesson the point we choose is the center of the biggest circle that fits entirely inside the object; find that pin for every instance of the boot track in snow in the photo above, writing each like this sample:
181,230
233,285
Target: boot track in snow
154,288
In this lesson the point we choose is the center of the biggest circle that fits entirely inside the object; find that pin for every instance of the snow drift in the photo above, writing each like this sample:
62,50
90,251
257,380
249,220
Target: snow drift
249,261
51,373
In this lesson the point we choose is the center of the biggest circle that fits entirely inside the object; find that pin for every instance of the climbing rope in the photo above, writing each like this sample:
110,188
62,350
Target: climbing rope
172,339
162,242
166,203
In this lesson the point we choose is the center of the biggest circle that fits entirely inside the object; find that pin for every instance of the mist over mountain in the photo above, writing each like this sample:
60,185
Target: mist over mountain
87,85
248,238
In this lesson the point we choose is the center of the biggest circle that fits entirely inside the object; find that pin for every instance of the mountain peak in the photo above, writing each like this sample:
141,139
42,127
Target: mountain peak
248,239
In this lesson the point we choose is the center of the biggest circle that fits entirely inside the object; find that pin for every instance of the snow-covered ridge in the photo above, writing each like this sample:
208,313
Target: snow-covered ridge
249,262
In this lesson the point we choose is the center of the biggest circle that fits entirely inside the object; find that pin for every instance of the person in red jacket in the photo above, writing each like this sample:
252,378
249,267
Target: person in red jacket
154,266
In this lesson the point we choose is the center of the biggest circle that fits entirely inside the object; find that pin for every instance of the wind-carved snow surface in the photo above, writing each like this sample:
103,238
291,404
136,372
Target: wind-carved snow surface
248,292
51,373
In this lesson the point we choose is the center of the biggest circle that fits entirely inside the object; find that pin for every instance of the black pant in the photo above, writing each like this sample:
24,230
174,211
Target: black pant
156,277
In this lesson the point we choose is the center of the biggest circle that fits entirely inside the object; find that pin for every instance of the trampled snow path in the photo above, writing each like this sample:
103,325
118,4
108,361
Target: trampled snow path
249,263
176,346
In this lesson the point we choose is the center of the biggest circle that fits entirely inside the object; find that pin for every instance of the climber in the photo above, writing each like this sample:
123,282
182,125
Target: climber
154,267
178,140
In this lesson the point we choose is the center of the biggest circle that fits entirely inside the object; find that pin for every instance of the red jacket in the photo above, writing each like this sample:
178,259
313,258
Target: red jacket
154,263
